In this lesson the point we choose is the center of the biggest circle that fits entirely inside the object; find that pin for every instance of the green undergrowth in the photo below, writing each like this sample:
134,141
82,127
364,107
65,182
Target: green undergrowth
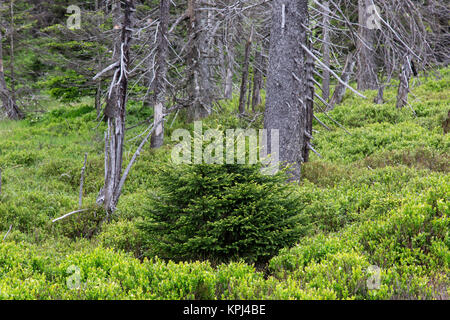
379,196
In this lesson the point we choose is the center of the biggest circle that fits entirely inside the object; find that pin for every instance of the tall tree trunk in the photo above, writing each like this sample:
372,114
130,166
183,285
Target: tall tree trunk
9,104
287,82
98,91
115,113
228,63
367,76
309,103
339,90
403,87
160,77
326,52
243,92
379,98
11,58
257,78
229,81
199,86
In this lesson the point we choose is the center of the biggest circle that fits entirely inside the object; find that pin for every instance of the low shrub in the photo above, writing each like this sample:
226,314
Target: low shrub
122,235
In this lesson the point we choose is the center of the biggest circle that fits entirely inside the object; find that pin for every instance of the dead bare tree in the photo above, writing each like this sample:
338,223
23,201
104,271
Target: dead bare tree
115,112
403,87
340,88
9,104
199,72
326,51
366,76
257,78
160,75
287,82
244,80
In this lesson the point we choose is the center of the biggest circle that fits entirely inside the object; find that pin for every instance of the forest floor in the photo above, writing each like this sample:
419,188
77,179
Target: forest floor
378,199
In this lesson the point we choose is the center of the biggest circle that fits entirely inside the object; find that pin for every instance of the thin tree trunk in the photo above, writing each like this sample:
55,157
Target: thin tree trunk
160,77
229,83
228,91
257,79
287,84
98,97
366,77
199,86
249,96
115,113
403,87
12,110
221,64
339,90
11,58
326,52
309,103
243,92
379,98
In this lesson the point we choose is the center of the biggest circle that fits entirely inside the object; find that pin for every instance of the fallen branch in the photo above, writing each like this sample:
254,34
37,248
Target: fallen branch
69,214
10,227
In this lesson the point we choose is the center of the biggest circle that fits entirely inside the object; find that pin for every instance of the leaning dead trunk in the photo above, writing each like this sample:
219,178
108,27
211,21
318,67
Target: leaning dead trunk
160,77
403,87
340,88
115,113
287,85
9,104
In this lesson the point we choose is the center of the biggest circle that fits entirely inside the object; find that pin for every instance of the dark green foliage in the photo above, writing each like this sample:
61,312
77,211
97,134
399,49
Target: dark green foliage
222,212
68,87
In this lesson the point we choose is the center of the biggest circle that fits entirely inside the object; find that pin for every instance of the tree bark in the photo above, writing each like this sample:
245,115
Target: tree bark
98,96
287,82
309,103
257,78
403,87
199,73
9,104
115,113
243,92
379,98
326,52
11,58
228,44
339,90
366,77
160,77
